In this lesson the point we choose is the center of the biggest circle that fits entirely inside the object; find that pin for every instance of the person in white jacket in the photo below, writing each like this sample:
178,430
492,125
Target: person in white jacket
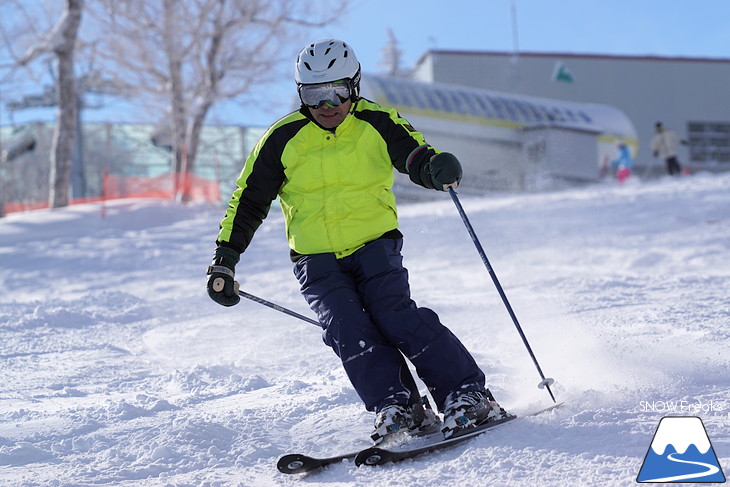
664,145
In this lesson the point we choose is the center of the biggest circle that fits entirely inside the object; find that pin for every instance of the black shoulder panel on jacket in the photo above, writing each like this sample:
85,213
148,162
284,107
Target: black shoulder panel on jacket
408,152
396,136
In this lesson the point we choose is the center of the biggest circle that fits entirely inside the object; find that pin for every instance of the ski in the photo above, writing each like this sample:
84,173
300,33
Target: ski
295,463
299,463
379,456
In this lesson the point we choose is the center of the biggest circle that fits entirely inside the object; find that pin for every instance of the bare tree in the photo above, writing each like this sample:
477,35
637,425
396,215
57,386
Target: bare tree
60,42
193,53
392,56
65,134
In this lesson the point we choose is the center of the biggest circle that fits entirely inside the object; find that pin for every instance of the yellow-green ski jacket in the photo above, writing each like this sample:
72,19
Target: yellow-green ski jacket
334,185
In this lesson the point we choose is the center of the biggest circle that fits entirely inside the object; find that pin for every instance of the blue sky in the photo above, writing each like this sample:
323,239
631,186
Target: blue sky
642,27
629,27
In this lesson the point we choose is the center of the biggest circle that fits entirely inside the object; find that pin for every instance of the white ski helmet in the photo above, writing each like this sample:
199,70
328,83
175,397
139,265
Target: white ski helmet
328,60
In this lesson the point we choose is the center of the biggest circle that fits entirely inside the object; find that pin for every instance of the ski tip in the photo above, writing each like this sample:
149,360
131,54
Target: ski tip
294,463
371,457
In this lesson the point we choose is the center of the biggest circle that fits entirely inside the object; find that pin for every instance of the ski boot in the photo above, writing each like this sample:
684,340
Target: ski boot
392,419
469,409
424,419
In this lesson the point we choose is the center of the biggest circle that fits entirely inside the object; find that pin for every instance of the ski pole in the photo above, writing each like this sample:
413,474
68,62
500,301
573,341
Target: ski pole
545,382
277,307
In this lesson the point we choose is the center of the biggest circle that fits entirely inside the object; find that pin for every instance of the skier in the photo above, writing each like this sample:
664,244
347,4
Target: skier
664,145
623,163
331,164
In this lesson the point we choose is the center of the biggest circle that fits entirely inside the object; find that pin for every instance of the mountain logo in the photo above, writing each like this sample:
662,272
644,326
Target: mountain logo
561,73
680,452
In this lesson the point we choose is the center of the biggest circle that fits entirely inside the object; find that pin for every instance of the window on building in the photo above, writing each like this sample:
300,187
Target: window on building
709,142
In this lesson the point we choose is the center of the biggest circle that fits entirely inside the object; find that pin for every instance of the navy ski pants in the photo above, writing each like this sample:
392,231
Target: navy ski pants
363,302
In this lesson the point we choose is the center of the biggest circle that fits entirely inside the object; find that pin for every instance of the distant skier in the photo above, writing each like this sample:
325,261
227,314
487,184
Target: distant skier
331,164
623,163
664,145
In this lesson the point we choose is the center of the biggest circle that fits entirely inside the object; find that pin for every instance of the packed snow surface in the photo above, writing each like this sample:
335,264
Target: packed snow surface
117,369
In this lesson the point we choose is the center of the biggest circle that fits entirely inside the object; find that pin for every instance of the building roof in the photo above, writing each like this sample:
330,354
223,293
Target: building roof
618,57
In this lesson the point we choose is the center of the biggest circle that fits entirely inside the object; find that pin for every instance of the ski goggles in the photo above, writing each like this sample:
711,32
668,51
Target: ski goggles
332,94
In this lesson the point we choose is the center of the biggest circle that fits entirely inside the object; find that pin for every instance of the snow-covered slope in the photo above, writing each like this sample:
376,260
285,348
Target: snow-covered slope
117,369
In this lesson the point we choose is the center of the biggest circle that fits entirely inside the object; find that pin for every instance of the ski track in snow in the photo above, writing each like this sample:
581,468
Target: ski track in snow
117,369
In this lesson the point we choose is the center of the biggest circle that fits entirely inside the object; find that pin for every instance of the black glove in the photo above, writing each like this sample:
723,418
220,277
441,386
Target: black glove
222,288
445,171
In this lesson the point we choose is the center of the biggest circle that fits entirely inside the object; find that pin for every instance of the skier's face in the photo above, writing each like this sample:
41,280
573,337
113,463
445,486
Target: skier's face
330,117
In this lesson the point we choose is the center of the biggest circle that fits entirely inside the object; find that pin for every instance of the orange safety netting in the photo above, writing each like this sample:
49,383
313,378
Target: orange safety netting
189,187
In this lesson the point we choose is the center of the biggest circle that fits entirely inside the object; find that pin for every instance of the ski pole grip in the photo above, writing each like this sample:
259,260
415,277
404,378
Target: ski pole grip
218,284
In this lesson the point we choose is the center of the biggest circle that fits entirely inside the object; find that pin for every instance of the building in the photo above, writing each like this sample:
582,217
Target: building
507,141
689,95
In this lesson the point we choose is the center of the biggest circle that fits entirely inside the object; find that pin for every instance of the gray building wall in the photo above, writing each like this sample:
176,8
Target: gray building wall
676,91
